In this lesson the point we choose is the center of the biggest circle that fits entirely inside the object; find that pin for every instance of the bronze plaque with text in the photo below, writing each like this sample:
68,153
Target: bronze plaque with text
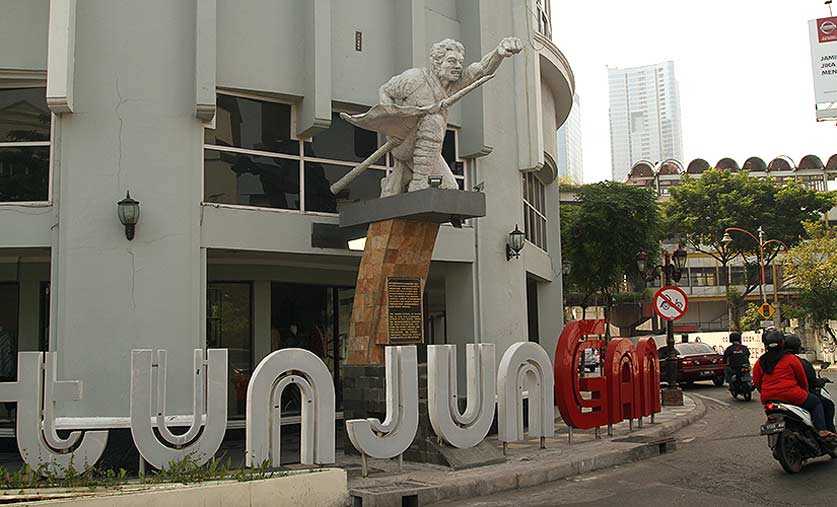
404,308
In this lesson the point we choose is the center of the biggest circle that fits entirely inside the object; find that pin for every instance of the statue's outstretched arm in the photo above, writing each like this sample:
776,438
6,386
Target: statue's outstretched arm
491,62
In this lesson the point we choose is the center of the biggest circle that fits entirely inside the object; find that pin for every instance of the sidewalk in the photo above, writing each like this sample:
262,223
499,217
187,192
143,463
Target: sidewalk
527,465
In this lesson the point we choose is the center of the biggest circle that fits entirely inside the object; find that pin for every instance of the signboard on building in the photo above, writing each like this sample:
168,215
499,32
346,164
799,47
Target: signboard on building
823,35
404,311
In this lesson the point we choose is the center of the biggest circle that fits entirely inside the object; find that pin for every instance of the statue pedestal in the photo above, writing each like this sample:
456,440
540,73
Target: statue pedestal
399,244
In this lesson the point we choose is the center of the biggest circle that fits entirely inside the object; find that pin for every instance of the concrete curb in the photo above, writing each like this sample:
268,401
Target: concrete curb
535,474
526,474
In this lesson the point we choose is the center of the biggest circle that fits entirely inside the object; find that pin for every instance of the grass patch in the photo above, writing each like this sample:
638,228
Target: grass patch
185,471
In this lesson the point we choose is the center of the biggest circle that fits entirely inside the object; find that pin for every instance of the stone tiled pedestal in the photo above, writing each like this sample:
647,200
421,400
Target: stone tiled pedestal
399,243
394,248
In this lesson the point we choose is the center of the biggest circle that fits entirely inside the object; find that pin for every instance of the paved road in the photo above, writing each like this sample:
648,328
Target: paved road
718,462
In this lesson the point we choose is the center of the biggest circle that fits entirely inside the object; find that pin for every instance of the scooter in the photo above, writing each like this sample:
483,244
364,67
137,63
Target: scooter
741,384
791,434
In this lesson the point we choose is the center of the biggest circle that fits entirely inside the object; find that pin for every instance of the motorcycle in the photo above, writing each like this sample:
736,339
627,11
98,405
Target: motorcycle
791,434
741,384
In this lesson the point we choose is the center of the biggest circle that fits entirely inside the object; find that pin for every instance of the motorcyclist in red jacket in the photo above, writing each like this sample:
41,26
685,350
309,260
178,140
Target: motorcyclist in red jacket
780,376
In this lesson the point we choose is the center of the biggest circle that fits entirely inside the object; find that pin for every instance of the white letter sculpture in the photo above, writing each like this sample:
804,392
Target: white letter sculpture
468,429
210,396
392,437
39,444
274,373
525,366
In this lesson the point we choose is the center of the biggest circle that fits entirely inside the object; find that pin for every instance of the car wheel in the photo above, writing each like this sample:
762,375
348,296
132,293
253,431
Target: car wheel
718,381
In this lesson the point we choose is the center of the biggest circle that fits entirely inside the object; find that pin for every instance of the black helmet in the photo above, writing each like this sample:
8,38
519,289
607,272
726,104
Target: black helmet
773,339
735,337
793,344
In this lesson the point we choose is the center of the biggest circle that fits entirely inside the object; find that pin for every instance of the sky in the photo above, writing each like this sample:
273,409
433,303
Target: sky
744,68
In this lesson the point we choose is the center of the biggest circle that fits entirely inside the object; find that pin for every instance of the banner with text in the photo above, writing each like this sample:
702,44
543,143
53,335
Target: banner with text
823,34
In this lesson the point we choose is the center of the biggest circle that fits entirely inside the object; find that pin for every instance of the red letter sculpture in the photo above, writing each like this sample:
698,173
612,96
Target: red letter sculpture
649,376
568,385
622,380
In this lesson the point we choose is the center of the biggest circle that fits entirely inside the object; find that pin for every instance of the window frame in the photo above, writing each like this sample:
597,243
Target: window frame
540,187
38,81
302,158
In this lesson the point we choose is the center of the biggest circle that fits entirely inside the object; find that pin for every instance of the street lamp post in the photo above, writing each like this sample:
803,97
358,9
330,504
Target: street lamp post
727,240
672,270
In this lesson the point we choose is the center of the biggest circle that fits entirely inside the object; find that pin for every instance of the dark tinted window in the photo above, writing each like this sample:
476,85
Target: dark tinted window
319,177
253,125
343,141
24,173
237,178
24,115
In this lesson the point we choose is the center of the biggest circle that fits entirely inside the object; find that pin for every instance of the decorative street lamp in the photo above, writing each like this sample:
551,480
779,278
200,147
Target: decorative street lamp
674,264
727,241
128,211
515,243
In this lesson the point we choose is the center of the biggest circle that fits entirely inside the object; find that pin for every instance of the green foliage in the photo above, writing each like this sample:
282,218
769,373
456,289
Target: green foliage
602,235
812,267
185,471
750,318
701,209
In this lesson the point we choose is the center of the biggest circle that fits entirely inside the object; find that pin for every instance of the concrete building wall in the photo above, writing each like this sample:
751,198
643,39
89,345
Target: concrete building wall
23,34
128,123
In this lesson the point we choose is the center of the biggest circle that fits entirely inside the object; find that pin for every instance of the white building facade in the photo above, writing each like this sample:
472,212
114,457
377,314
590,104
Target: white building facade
570,148
222,119
645,117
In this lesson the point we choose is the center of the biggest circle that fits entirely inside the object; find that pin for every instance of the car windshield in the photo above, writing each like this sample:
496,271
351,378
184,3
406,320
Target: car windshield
693,349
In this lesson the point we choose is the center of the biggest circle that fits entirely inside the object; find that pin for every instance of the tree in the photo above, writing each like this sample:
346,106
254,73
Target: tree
701,209
602,235
812,265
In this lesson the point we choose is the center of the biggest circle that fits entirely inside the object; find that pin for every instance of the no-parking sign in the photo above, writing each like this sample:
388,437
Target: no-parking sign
671,303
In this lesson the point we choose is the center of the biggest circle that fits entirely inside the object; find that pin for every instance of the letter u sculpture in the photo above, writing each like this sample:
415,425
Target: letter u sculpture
462,430
36,392
148,396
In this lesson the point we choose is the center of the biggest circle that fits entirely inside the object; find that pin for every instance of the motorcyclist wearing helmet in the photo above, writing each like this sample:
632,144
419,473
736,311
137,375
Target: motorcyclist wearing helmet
736,356
779,376
793,344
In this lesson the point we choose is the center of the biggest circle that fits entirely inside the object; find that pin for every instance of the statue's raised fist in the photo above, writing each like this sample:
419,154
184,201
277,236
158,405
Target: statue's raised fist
510,46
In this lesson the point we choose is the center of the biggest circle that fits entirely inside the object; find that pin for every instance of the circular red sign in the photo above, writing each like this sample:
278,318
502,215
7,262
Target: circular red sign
671,303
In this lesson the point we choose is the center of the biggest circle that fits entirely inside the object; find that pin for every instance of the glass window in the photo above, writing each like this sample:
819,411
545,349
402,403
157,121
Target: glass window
239,178
25,123
253,125
24,115
534,210
229,325
343,141
24,173
319,177
703,277
8,331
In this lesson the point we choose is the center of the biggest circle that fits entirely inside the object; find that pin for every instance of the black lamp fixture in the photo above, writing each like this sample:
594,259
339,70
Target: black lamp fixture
129,211
679,257
673,269
515,243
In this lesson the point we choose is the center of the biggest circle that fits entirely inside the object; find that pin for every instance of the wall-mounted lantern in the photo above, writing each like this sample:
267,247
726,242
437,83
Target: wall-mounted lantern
514,244
128,210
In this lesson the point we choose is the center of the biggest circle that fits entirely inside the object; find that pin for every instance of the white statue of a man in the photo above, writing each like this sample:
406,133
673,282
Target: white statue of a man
413,113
